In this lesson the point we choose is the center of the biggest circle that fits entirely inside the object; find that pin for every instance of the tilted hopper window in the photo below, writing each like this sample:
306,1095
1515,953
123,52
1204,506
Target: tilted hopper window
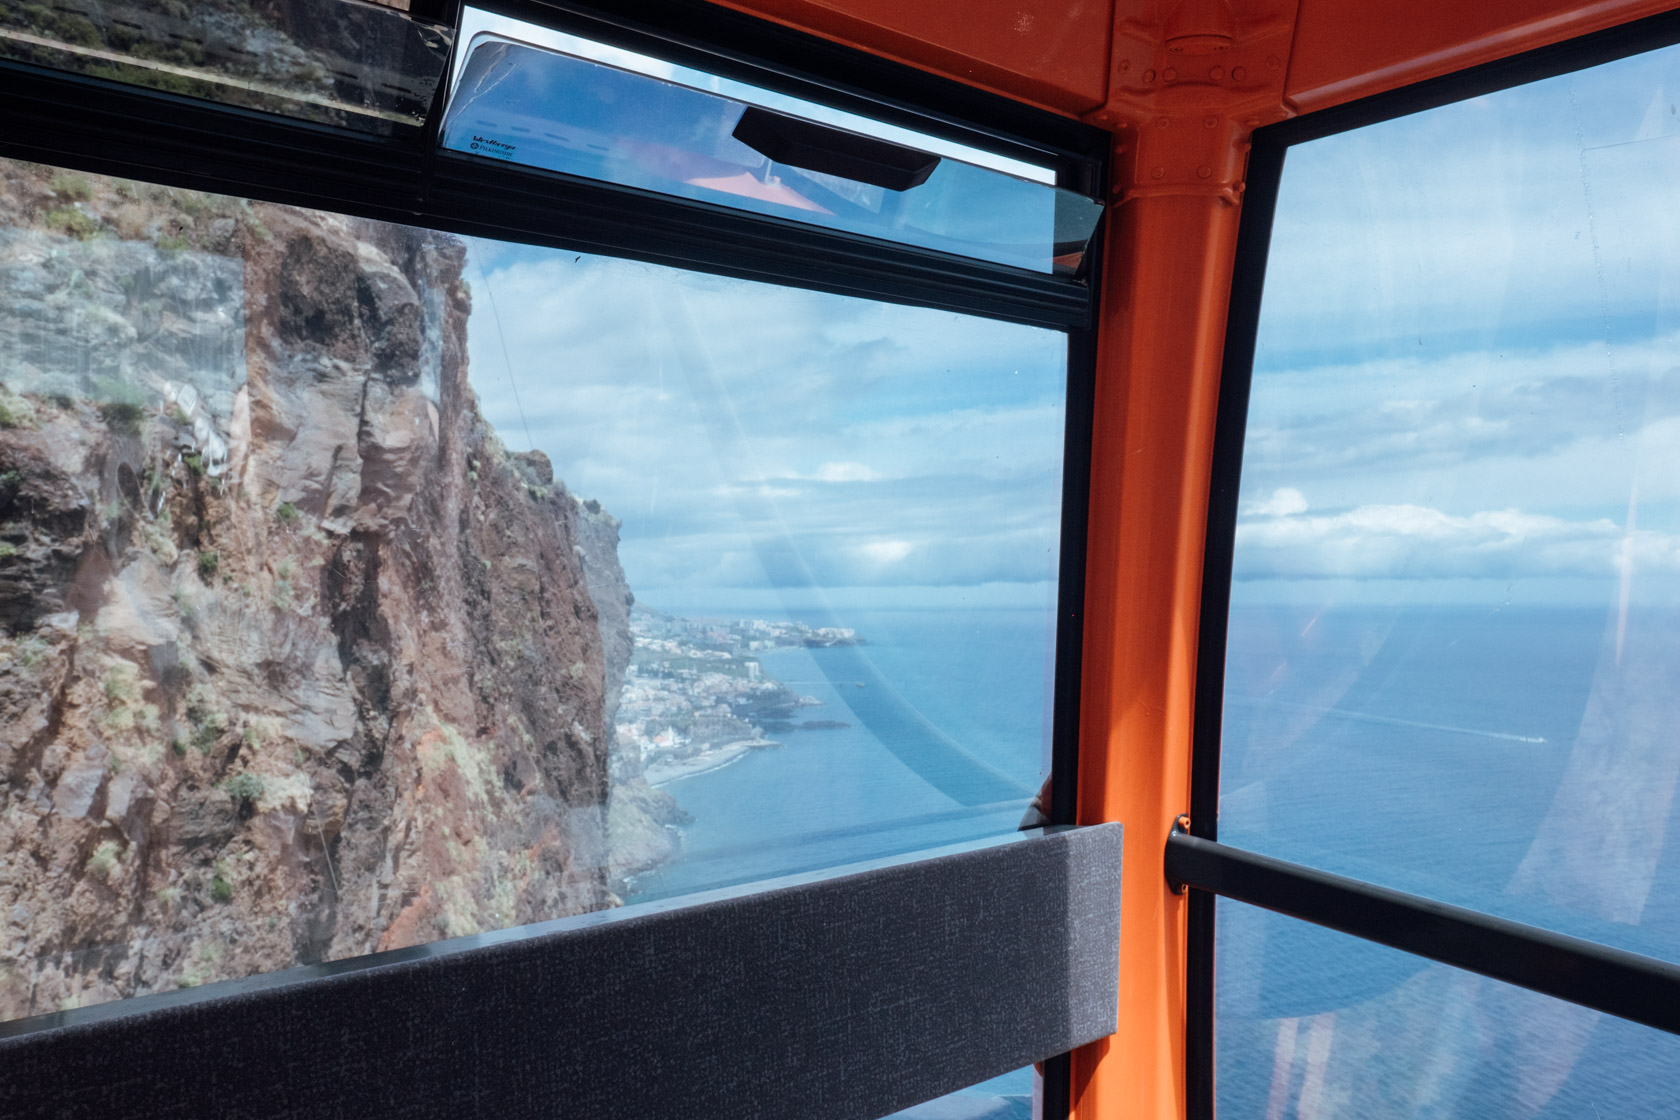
565,104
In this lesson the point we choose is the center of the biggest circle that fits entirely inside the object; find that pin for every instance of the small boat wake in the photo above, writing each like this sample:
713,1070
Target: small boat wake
1367,717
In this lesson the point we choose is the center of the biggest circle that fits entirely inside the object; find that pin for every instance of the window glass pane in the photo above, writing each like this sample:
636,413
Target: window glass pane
1014,1096
362,586
366,66
839,522
1454,646
572,106
1315,1024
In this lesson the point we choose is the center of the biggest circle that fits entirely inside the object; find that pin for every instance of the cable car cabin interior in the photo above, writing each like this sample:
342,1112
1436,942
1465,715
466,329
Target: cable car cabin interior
780,559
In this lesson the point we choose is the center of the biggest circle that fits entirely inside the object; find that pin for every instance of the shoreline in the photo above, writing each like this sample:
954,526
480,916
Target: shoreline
666,771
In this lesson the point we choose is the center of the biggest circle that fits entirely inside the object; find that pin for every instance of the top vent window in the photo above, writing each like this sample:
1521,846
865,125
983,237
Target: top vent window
552,101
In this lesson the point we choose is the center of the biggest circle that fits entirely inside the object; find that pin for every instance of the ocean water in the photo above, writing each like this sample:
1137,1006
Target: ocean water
947,741
961,698
1517,761
1522,762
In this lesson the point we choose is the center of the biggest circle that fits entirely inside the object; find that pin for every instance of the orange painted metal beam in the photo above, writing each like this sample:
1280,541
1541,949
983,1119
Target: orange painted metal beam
1052,53
1056,53
1344,50
1191,80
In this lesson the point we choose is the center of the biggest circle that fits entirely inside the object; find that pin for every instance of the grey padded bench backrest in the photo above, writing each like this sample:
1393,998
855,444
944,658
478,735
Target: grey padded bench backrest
840,996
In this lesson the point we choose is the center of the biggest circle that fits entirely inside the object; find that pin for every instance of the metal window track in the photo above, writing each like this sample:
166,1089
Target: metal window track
91,125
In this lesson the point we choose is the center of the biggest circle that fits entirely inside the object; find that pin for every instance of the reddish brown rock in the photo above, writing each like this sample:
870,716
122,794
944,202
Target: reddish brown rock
296,661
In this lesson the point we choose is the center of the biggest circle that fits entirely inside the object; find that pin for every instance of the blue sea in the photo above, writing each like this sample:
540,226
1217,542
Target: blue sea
1521,761
1518,761
948,741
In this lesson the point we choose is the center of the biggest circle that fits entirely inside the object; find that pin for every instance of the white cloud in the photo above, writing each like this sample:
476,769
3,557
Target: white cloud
845,472
748,434
1418,542
1566,430
1285,500
886,552
1465,405
1469,354
1535,216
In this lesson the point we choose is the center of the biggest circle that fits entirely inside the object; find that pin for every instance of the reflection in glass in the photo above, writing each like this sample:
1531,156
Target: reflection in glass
1009,1097
546,108
366,66
1318,1025
361,586
1454,650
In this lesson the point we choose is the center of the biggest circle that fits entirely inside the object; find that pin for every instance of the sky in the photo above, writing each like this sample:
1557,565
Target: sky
1467,386
768,447
1467,381
757,442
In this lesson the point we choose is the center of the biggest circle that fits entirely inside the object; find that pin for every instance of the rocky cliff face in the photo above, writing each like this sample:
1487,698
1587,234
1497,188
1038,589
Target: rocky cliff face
360,65
642,822
296,662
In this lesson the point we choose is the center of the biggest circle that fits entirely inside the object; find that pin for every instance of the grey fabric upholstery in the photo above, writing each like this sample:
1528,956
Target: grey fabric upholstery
834,996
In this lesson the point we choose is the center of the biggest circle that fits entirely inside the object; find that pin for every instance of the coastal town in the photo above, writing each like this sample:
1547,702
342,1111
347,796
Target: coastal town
696,698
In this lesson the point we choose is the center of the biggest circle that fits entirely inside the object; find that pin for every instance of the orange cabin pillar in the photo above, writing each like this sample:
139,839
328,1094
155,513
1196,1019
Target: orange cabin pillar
1187,88
1167,270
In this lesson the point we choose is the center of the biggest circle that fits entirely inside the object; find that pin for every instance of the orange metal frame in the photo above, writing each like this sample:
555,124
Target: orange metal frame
1181,84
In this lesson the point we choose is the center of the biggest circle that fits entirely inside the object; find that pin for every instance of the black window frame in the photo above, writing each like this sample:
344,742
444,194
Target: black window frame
1629,985
103,127
91,124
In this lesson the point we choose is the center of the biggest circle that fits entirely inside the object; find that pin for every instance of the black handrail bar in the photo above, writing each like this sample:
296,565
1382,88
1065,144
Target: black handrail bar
1640,988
